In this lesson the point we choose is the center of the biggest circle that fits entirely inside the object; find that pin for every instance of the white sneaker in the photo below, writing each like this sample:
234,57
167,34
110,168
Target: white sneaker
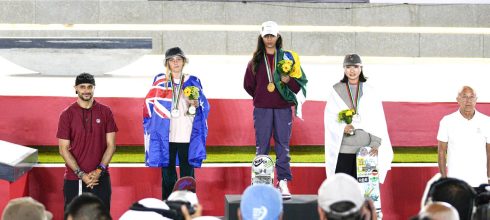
283,188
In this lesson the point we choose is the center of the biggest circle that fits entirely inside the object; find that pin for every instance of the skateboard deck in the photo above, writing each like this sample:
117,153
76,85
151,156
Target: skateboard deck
263,170
367,175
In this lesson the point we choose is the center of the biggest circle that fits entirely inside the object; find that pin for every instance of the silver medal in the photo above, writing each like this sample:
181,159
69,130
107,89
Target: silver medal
192,110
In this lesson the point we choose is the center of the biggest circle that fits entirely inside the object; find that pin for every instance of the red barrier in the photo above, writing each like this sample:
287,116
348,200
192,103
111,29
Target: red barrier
400,194
32,121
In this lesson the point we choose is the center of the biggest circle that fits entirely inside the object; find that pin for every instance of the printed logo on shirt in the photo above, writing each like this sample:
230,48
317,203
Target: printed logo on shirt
97,120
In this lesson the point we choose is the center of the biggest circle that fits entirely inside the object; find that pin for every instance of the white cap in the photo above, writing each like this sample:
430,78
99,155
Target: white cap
148,203
340,188
184,196
269,27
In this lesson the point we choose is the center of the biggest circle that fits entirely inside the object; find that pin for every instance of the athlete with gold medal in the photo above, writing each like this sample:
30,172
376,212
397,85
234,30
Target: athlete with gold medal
274,92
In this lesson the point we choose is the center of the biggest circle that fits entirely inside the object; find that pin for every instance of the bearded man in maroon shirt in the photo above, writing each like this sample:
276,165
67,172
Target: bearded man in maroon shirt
87,136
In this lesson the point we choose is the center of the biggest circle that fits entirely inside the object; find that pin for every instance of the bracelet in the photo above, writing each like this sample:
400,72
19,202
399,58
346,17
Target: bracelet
101,167
79,173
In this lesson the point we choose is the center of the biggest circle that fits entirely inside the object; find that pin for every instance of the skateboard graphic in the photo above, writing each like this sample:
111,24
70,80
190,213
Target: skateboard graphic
367,175
263,170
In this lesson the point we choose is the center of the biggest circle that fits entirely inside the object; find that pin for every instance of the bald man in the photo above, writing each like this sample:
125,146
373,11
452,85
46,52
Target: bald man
438,211
464,141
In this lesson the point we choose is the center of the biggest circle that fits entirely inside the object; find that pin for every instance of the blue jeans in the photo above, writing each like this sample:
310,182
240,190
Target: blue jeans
276,122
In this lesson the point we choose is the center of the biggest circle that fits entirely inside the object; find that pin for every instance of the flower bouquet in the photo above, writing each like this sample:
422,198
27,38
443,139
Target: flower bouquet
346,116
192,93
290,65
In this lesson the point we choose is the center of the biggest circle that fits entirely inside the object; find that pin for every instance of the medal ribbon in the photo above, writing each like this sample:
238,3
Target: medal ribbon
176,95
355,99
270,71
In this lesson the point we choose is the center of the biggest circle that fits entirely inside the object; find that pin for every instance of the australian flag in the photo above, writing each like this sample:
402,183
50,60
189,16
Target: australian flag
156,123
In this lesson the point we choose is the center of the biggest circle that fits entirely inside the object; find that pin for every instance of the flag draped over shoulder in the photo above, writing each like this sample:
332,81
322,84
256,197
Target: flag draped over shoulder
156,123
373,121
297,74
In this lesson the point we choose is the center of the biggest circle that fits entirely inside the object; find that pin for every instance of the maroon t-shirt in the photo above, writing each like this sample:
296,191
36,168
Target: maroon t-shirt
86,129
256,86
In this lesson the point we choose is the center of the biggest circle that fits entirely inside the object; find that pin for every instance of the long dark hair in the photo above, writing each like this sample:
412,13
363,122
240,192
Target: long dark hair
362,78
259,52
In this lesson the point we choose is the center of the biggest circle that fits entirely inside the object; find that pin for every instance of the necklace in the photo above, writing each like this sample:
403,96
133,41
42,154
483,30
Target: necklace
270,72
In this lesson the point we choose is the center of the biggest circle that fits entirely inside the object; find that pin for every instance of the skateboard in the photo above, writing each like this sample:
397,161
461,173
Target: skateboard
263,170
367,175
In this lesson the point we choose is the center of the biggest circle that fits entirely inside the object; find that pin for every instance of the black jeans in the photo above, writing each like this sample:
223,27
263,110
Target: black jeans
103,190
346,163
169,174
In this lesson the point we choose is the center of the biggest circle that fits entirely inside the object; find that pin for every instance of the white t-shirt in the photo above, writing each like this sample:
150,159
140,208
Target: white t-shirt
466,151
181,127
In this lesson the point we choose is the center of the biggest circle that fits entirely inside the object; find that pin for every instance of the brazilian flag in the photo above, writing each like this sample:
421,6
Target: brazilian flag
295,72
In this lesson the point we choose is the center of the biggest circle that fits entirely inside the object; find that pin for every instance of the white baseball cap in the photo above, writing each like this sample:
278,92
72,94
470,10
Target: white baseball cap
340,188
151,203
184,196
269,27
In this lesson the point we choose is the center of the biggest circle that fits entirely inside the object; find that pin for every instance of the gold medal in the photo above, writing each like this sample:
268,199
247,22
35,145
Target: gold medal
271,87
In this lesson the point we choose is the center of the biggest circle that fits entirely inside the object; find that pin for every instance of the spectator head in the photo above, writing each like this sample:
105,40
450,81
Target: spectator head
25,208
183,197
148,208
151,208
340,197
455,192
437,211
87,206
260,202
426,190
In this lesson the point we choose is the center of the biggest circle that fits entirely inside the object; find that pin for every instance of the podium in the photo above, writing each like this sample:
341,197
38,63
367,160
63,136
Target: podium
298,207
15,161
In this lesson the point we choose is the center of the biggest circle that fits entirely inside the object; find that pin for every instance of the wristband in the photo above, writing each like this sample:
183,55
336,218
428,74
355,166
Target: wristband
102,167
79,173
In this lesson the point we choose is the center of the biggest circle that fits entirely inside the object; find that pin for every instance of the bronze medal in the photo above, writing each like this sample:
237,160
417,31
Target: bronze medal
271,87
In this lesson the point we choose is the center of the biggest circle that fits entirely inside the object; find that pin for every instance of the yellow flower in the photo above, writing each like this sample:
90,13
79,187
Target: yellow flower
187,91
286,68
348,113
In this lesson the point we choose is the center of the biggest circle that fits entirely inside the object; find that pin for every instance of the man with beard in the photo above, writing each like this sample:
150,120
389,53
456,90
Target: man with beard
86,134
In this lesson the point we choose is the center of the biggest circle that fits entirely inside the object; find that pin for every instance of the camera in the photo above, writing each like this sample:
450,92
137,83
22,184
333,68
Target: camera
176,207
482,203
